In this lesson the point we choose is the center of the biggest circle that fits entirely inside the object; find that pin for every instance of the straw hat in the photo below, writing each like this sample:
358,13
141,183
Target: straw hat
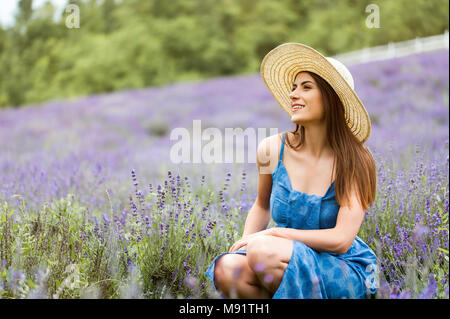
282,64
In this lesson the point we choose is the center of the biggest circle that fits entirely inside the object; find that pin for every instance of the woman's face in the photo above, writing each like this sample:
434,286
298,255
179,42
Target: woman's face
305,92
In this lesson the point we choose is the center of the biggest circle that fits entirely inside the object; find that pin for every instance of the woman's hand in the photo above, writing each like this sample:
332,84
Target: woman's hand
239,244
244,240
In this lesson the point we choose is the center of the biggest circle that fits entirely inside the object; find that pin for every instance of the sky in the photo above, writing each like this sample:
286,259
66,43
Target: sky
8,9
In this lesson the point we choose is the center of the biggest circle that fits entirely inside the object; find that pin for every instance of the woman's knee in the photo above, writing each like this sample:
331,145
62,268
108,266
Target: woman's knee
268,252
228,269
260,252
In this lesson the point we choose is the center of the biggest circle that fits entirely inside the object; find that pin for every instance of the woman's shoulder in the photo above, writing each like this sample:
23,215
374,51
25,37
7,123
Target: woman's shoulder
268,151
277,136
270,144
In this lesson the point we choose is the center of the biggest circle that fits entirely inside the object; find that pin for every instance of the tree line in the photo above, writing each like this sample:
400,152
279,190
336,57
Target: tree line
136,44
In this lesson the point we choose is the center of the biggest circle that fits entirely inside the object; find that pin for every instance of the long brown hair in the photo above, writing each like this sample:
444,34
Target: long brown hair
355,166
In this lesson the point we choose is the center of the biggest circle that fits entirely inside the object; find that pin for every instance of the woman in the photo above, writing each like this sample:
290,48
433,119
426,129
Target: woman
314,251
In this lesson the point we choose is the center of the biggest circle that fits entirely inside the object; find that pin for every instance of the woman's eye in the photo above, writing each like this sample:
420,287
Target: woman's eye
305,88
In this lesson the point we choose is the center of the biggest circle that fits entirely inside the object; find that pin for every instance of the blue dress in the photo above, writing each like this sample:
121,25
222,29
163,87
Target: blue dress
311,274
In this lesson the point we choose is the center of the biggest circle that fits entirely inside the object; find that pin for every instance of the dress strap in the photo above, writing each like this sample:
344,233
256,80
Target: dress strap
282,146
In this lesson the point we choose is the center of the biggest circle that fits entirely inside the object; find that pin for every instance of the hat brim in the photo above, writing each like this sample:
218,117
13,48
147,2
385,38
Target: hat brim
283,63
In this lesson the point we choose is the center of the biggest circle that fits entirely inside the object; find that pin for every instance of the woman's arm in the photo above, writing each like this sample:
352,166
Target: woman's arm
259,215
257,219
255,224
337,239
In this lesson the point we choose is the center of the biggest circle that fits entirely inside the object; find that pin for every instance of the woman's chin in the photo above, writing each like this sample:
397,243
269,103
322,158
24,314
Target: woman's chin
296,119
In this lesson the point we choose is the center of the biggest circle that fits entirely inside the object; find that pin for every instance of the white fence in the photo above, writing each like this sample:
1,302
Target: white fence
394,50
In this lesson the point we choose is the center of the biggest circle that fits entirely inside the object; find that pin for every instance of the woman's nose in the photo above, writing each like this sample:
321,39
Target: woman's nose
294,95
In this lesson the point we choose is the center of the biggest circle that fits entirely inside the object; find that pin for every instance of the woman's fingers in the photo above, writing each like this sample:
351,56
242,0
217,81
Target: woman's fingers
243,241
241,244
233,247
238,245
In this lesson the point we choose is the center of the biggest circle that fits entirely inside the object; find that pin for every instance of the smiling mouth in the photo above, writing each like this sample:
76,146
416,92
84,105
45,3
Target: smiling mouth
298,107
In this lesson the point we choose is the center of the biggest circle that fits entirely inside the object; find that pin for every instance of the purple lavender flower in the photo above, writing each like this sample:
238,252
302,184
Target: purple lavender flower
186,266
412,126
431,290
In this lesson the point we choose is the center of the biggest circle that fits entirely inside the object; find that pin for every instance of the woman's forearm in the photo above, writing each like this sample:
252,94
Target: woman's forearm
323,240
257,219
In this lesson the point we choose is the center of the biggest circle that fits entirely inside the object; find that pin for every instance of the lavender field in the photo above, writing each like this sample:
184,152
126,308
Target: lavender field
92,207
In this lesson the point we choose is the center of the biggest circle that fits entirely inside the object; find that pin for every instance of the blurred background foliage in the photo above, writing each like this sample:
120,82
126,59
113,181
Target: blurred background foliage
136,43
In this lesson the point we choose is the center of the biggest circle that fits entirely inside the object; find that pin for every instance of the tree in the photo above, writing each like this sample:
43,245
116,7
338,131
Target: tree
25,11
